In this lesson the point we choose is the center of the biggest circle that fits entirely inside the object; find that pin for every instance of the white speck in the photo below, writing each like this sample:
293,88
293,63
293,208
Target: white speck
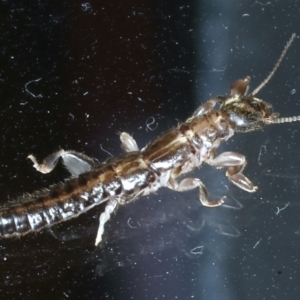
197,250
131,226
150,121
85,6
261,3
263,148
105,151
280,209
26,89
257,243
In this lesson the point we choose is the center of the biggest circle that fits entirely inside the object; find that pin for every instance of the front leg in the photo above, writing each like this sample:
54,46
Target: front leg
236,163
192,183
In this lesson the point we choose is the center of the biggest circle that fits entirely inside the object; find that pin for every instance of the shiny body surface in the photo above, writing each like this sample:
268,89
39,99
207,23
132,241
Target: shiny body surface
136,173
124,178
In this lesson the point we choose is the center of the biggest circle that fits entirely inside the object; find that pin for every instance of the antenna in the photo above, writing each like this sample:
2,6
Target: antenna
283,120
289,43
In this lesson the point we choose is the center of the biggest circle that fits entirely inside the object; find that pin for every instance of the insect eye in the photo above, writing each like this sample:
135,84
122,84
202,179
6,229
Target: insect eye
246,113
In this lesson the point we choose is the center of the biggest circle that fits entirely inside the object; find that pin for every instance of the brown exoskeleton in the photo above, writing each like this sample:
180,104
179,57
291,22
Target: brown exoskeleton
135,173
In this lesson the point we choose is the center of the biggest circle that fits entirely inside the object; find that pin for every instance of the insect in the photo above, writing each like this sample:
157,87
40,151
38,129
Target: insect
136,173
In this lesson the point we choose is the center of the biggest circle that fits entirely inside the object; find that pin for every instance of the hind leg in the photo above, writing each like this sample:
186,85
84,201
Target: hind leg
75,162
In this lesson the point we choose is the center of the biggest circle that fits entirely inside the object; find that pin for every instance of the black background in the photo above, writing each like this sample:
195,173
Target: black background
74,74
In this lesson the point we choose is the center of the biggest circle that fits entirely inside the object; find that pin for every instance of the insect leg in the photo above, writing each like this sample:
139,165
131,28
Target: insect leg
207,106
236,163
192,183
128,143
104,217
76,163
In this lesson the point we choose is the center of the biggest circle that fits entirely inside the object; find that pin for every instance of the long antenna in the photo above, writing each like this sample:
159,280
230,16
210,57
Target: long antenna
284,120
289,43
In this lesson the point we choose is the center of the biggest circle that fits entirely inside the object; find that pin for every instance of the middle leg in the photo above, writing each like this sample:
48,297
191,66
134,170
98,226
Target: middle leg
192,183
236,163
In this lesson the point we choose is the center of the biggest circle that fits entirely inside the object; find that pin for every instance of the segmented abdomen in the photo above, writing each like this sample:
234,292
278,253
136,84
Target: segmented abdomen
123,178
45,209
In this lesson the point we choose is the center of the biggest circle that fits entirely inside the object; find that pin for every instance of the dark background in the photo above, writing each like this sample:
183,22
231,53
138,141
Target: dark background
74,74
